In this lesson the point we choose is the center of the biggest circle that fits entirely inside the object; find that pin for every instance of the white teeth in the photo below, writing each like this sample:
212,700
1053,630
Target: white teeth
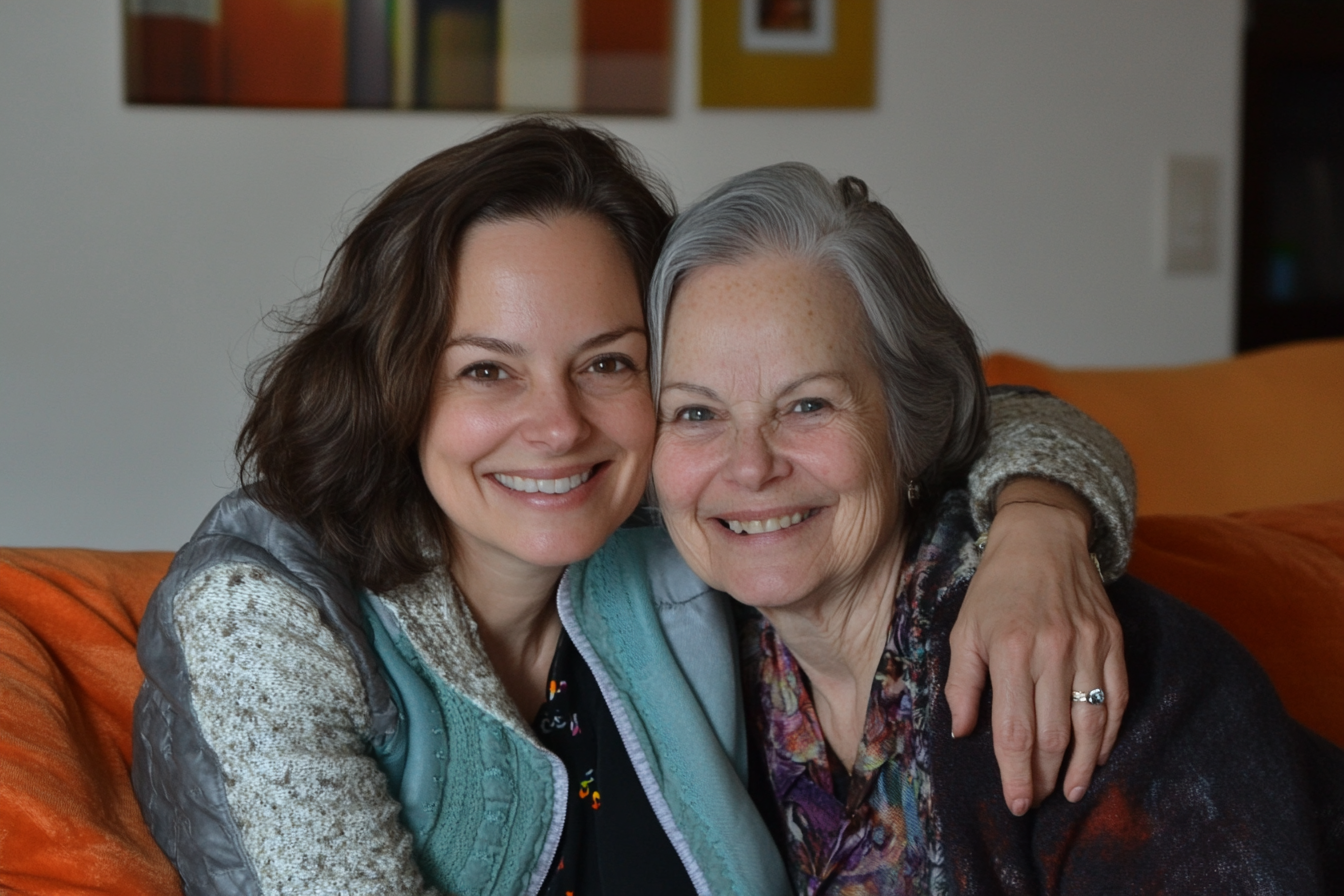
774,524
545,486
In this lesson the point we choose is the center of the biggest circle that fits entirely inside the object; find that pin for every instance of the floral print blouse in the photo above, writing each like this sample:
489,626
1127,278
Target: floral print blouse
873,830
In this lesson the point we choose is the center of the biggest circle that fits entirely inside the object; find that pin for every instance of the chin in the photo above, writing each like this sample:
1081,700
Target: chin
559,551
763,592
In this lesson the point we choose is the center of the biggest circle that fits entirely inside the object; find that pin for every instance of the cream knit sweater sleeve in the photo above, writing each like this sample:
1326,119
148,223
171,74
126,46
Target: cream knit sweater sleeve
1035,434
280,703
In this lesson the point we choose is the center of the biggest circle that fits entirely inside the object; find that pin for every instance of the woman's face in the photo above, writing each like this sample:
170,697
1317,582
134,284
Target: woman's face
538,441
773,466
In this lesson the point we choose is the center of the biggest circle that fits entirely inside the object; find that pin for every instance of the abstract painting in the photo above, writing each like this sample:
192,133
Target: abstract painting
598,56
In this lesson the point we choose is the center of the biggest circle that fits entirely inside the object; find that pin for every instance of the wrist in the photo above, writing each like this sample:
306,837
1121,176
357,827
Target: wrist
1025,495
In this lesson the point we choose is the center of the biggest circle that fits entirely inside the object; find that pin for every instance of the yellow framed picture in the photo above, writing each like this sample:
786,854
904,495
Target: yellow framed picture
787,53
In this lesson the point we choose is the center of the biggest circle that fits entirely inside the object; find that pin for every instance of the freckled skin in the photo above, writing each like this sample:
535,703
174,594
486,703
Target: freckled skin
768,407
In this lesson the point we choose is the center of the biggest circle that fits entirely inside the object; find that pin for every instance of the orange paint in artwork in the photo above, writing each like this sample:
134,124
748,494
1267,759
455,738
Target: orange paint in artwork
283,52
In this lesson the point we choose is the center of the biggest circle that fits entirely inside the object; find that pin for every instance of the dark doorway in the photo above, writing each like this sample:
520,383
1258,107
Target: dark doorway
1291,269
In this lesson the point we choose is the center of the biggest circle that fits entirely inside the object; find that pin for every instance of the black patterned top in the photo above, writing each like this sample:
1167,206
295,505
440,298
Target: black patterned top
612,842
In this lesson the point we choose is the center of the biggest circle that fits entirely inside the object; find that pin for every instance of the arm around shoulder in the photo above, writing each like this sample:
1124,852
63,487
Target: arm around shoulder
1034,434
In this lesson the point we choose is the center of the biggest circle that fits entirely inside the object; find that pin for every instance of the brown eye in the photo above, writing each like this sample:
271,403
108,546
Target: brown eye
610,364
486,372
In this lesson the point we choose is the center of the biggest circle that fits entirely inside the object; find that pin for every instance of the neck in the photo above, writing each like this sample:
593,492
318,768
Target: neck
837,635
515,613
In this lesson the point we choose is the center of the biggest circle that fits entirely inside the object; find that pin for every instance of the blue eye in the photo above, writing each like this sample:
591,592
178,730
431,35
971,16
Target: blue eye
808,406
486,372
695,415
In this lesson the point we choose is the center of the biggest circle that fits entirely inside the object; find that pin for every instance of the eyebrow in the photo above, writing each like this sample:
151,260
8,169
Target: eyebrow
611,336
513,349
704,391
489,343
819,375
793,386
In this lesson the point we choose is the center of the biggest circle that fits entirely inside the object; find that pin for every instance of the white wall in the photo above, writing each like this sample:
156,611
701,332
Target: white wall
1020,142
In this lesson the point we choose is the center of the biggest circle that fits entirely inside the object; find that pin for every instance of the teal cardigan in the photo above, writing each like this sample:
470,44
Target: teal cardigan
659,643
483,800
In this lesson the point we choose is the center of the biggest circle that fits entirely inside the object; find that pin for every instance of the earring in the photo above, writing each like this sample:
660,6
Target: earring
912,492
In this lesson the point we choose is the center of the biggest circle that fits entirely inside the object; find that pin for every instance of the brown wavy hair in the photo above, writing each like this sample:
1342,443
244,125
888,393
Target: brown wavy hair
332,438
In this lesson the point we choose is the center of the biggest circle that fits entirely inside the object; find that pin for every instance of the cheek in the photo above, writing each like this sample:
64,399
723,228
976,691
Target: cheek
630,423
679,475
853,463
460,432
862,472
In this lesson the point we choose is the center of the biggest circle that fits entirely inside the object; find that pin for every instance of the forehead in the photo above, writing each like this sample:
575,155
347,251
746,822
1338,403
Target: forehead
568,268
790,310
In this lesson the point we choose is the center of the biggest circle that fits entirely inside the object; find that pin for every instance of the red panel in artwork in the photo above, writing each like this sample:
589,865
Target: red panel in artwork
172,60
283,52
619,26
626,66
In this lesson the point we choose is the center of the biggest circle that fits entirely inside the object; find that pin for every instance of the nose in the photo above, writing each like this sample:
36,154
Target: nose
753,461
554,419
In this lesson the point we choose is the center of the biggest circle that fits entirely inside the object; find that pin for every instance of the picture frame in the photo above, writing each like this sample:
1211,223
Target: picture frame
787,26
825,58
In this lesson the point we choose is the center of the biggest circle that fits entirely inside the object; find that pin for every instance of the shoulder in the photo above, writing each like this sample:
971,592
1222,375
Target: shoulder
637,594
647,555
252,586
1204,786
243,614
1169,640
640,568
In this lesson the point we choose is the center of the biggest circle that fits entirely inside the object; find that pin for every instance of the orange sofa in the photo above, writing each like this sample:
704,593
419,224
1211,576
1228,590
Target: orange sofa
1240,466
1220,450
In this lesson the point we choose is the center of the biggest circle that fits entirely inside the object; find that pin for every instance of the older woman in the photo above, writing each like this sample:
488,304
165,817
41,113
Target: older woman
365,672
820,405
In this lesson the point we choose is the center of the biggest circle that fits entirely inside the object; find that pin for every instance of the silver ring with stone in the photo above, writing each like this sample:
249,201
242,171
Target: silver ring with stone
1096,696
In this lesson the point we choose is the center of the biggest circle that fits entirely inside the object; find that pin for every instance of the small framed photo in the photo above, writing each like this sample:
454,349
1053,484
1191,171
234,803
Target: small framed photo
788,26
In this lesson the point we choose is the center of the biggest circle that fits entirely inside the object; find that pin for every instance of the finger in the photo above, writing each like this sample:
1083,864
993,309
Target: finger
1117,694
1088,720
1089,725
1014,722
1054,726
965,682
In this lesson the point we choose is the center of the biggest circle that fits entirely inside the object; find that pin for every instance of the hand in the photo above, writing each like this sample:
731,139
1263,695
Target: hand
1037,618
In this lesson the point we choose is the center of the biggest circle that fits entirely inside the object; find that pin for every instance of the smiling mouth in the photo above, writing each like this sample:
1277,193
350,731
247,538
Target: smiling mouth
773,524
544,486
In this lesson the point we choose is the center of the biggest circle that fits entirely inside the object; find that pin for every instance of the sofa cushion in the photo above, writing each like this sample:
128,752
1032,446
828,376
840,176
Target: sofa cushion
1259,430
68,679
1274,578
68,675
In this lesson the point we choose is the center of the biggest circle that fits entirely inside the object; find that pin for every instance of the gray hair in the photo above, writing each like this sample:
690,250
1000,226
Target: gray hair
924,352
